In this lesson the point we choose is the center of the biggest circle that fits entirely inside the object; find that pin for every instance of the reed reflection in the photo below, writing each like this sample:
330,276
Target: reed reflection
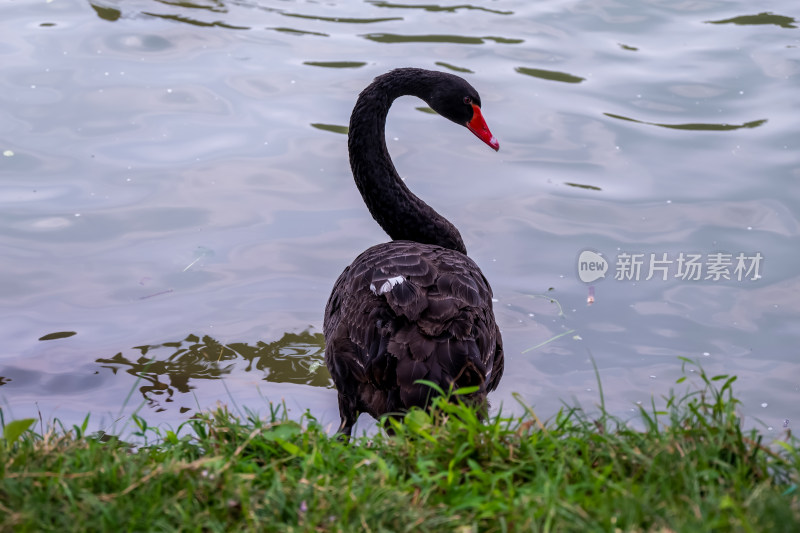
171,367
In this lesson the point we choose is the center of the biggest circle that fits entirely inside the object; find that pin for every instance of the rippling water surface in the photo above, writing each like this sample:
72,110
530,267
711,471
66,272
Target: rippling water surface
176,201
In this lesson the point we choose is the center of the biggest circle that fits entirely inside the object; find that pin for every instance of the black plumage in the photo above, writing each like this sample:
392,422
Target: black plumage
415,308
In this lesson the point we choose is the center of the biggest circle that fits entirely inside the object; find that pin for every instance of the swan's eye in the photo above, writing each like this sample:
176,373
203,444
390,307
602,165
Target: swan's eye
467,100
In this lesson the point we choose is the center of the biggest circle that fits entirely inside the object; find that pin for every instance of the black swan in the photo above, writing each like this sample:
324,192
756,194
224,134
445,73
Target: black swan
415,308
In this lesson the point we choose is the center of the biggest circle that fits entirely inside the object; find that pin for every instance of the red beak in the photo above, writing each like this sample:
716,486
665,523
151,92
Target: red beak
478,126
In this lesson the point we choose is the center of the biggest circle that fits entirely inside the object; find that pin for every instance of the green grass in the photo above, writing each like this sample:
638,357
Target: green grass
692,468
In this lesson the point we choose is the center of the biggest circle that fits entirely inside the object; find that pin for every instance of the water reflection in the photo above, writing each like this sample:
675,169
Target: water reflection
454,68
334,128
761,18
106,13
113,14
216,6
170,367
195,22
195,14
345,20
437,8
57,335
436,38
294,31
335,64
583,186
552,75
697,126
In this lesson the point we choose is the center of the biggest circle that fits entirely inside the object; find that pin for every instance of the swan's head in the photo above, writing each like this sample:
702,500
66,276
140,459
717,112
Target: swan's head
455,99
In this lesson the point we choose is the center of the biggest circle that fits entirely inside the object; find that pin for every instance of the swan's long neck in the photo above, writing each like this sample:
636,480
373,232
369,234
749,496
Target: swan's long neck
399,212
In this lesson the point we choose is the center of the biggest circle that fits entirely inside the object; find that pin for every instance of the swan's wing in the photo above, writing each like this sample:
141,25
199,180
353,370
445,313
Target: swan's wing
413,312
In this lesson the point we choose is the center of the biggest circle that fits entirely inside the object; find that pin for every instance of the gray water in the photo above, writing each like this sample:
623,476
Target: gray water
176,201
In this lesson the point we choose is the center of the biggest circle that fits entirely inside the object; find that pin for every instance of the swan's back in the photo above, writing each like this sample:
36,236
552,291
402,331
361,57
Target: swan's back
403,312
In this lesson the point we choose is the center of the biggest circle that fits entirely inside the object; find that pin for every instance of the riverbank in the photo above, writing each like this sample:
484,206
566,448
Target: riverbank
691,468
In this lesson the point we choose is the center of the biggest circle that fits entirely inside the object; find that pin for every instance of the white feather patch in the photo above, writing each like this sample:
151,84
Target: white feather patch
388,285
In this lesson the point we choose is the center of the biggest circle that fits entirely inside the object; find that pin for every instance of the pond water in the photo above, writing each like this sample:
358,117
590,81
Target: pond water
176,199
